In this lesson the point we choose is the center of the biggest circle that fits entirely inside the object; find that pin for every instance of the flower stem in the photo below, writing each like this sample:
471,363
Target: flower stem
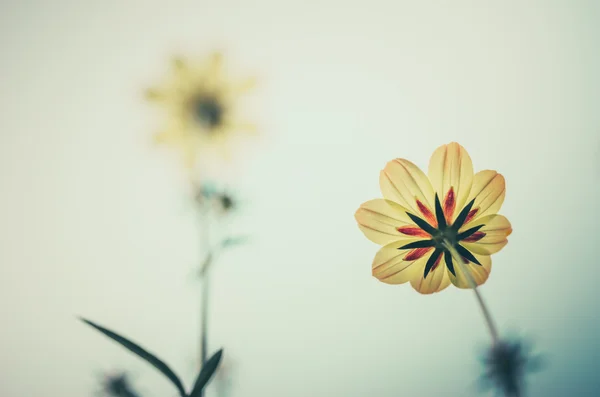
205,283
204,319
486,313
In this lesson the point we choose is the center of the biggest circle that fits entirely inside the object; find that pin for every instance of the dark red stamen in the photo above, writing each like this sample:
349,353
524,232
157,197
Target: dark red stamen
413,231
471,215
417,253
474,237
429,217
449,205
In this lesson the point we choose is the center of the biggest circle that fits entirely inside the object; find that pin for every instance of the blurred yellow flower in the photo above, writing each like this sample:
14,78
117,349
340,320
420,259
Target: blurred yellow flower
200,103
420,216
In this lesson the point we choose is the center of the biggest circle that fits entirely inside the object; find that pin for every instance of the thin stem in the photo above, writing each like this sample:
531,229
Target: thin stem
205,224
204,319
486,313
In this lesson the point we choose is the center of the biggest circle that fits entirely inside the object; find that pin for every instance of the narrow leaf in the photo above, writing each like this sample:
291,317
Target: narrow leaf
468,233
207,371
142,353
418,244
449,264
431,261
422,223
232,241
462,217
467,254
439,213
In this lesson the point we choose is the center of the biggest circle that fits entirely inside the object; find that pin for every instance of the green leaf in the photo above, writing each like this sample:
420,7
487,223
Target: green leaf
233,241
422,224
439,213
149,357
208,370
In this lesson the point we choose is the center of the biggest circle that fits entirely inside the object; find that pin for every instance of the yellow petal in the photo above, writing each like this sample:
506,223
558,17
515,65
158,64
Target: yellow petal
488,190
175,133
190,154
390,267
166,136
404,183
245,127
479,273
451,167
153,94
242,87
380,219
496,229
215,65
179,64
436,281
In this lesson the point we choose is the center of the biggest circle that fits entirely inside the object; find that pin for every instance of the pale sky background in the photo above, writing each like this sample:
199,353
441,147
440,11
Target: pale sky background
95,221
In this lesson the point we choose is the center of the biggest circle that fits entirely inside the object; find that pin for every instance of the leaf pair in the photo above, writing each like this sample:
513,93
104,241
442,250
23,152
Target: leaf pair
206,373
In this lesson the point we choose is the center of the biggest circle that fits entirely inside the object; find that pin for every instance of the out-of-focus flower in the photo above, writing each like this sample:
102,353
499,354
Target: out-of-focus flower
200,103
223,201
226,201
506,364
420,215
118,385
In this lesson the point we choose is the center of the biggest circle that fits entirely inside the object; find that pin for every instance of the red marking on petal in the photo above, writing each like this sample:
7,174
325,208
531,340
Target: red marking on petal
474,237
429,217
413,231
465,260
449,205
437,262
471,215
417,253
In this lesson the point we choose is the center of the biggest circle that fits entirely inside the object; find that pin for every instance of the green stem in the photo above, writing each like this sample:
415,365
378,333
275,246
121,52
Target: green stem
205,292
204,319
486,313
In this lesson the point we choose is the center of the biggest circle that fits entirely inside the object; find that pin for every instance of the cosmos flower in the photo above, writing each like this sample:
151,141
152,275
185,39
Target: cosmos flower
118,385
506,365
207,194
422,219
200,103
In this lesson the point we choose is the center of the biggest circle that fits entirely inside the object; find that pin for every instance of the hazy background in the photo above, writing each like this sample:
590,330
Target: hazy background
95,221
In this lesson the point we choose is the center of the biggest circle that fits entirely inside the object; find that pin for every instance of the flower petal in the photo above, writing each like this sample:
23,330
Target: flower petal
404,183
436,280
489,189
155,94
451,167
390,267
179,65
215,66
242,87
417,253
383,221
480,273
496,228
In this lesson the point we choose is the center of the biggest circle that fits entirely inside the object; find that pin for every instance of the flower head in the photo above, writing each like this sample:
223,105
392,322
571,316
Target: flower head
201,107
222,200
506,364
420,216
118,385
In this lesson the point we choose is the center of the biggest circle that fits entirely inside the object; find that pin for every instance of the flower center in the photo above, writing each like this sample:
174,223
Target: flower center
440,235
448,234
207,111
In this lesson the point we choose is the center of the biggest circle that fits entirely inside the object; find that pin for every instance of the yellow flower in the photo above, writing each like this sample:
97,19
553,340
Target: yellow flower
201,107
418,216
